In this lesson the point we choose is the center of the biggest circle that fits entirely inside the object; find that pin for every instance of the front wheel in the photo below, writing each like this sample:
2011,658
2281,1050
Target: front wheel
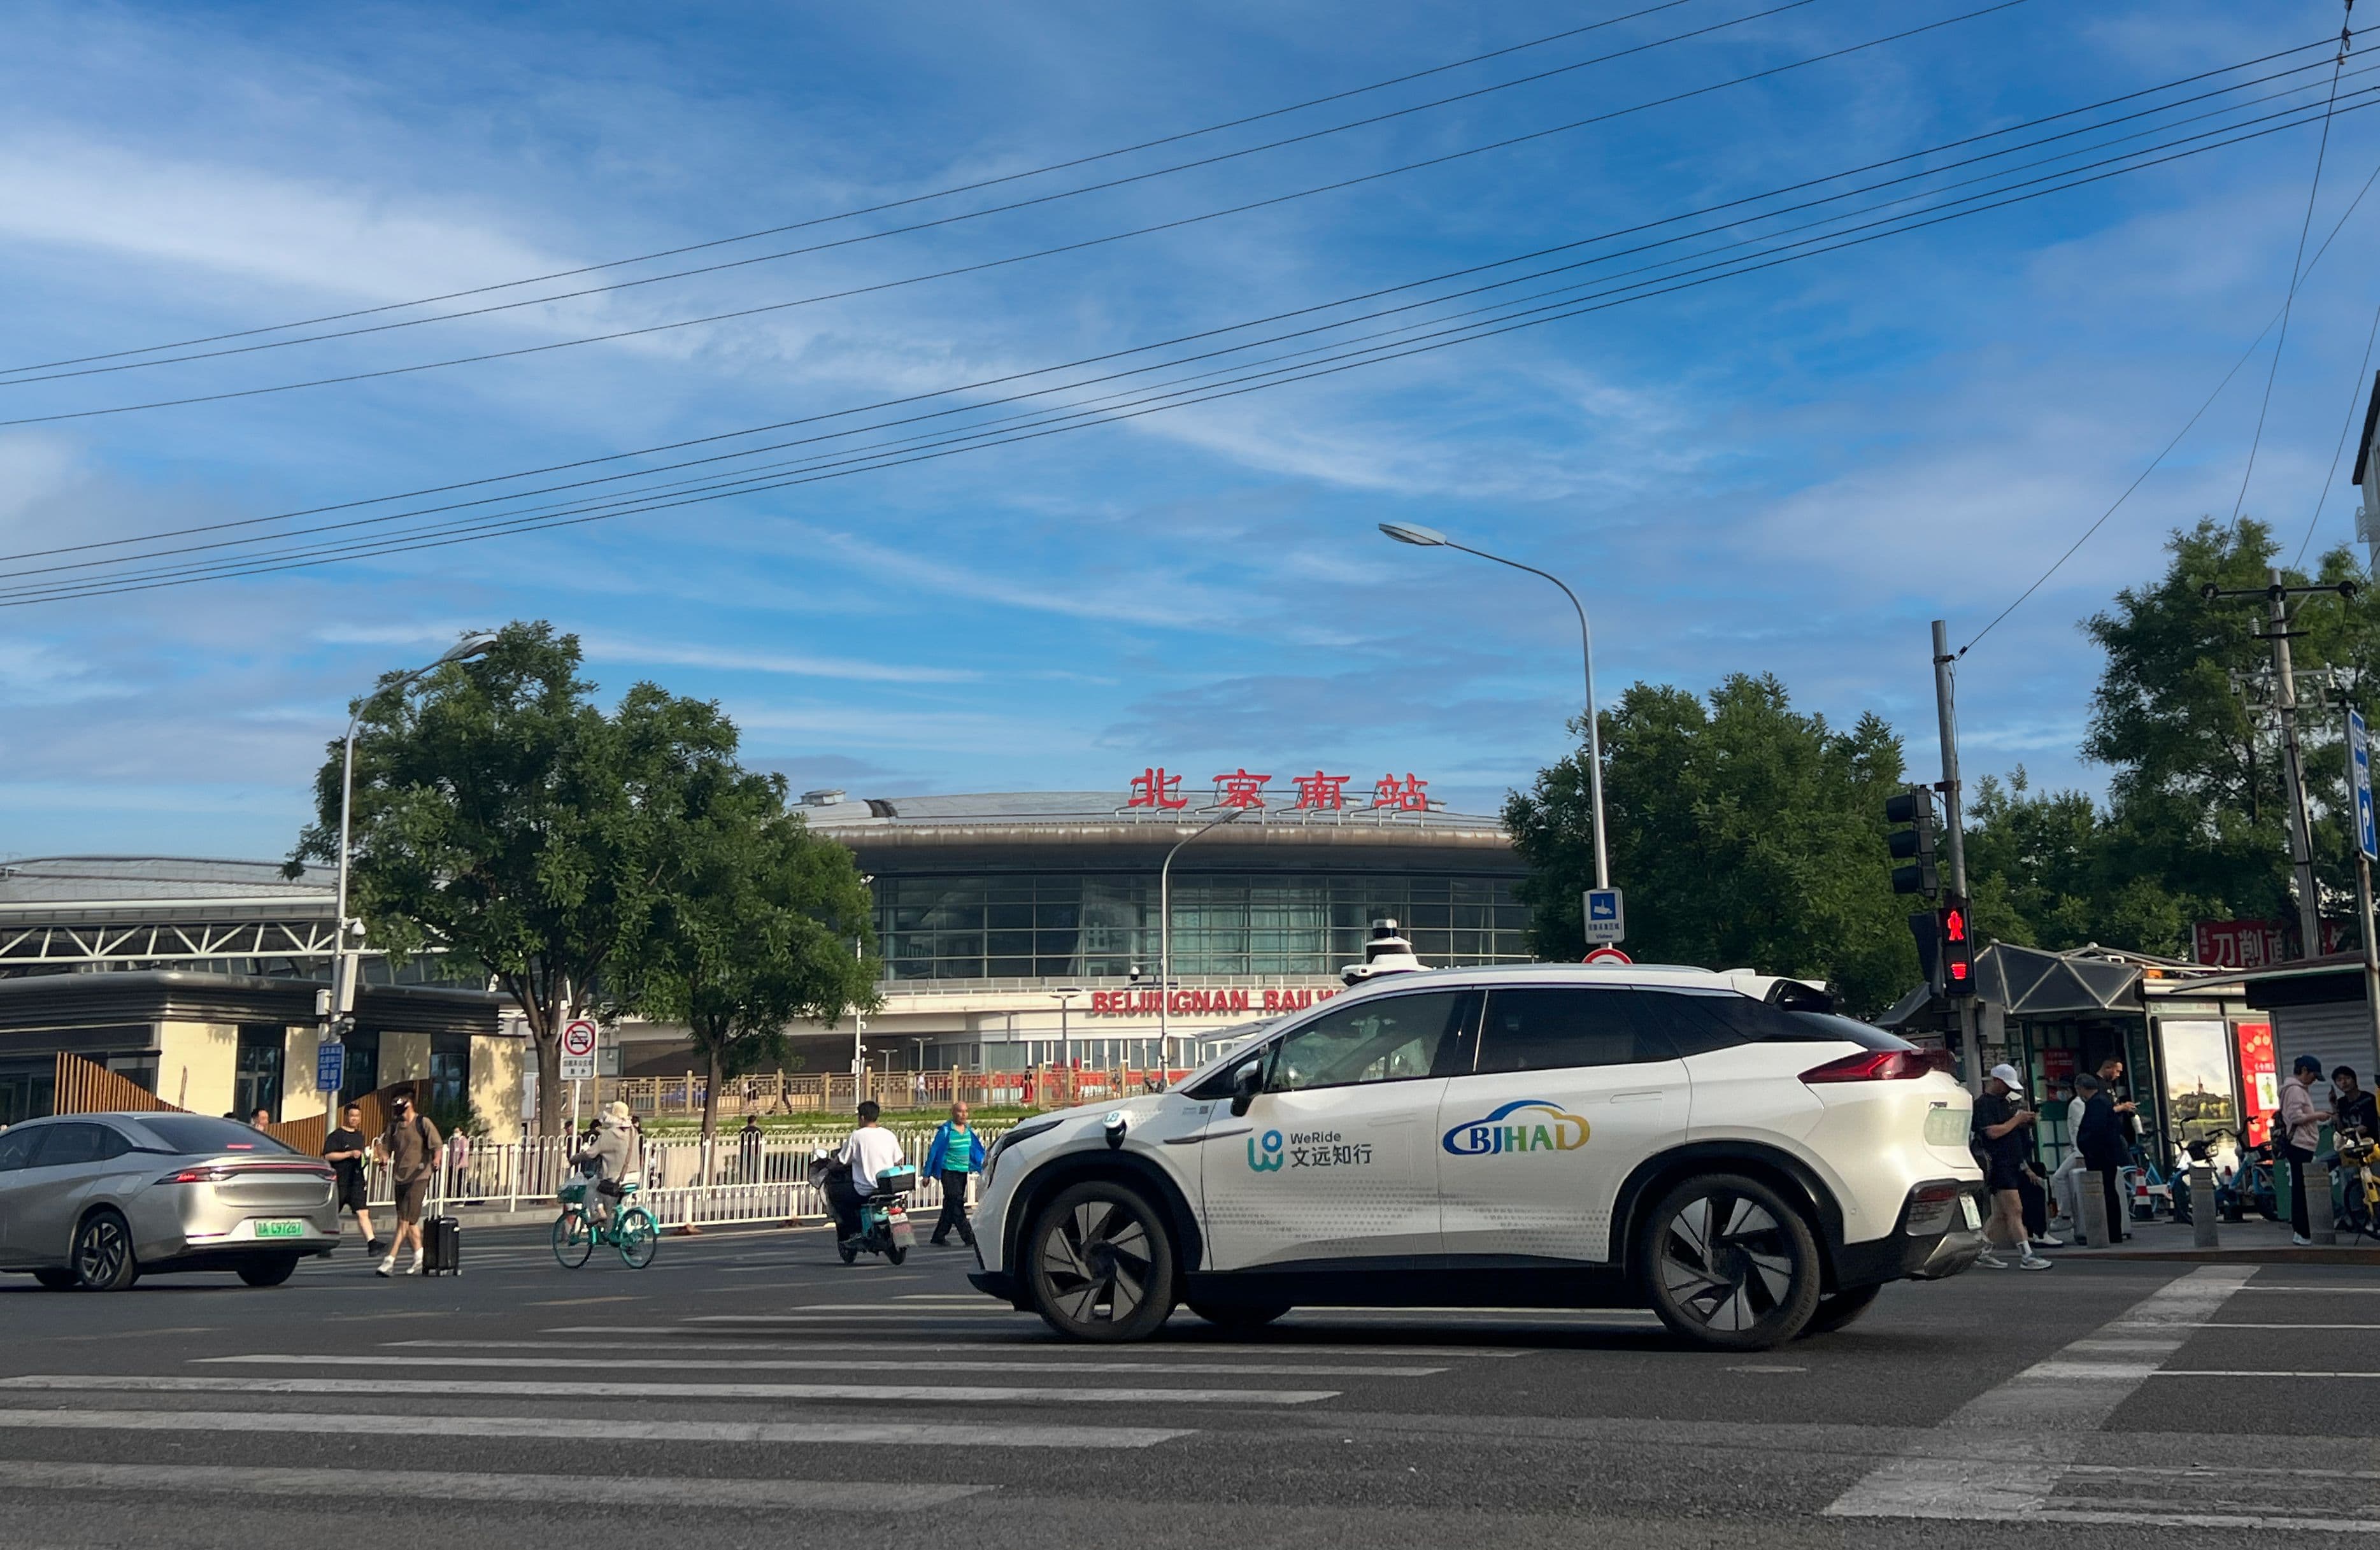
574,1239
103,1254
1101,1263
639,1238
269,1272
1839,1309
1728,1265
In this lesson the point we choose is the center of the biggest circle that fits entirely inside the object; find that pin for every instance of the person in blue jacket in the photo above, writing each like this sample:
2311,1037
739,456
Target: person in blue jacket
957,1153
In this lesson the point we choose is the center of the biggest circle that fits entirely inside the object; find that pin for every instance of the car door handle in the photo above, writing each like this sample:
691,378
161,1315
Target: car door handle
1642,1094
1208,1135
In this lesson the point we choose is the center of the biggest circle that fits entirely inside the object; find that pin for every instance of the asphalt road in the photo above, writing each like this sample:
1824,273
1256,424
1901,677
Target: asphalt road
748,1390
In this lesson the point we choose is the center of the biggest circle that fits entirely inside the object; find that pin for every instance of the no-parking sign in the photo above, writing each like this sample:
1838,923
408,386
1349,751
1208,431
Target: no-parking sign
578,1051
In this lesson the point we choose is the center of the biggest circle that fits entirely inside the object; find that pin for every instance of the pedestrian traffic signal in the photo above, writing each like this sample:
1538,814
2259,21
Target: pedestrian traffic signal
1914,845
1957,949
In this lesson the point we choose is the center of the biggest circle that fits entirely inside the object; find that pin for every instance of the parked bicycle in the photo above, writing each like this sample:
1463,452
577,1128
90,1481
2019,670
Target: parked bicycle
627,1227
2359,1178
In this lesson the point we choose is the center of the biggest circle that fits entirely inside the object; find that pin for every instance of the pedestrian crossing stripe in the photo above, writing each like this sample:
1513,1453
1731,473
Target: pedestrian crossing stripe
613,1363
979,1394
931,1434
446,1485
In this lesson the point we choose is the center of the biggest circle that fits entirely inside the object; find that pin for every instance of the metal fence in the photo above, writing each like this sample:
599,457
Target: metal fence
778,1093
688,1183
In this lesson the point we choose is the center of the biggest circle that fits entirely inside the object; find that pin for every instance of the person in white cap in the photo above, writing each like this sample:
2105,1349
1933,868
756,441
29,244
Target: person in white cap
2003,1134
618,1151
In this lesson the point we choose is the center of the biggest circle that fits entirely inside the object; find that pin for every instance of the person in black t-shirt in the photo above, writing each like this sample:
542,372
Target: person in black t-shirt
344,1149
2003,1139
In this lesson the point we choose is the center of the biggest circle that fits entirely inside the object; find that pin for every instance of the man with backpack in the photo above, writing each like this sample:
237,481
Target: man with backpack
410,1143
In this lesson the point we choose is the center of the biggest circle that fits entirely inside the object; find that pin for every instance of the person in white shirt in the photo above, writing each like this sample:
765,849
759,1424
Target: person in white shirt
869,1151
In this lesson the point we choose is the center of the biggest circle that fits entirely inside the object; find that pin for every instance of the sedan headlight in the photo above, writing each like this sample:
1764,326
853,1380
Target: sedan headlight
1016,1134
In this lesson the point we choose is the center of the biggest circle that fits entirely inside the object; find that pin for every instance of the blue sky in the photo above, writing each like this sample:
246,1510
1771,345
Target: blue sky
1790,472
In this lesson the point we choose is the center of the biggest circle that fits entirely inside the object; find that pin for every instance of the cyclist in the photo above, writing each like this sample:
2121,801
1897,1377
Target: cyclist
618,1153
868,1152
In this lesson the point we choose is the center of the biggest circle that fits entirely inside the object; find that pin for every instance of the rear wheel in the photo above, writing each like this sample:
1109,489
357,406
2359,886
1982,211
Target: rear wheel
269,1272
103,1254
1234,1316
639,1238
1839,1309
1101,1263
55,1278
1728,1265
574,1239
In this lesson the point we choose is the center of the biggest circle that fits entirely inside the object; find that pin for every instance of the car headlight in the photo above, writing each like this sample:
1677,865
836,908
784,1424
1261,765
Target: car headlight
1016,1134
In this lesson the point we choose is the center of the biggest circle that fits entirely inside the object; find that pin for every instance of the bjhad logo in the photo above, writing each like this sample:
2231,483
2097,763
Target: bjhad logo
1537,1126
1270,1161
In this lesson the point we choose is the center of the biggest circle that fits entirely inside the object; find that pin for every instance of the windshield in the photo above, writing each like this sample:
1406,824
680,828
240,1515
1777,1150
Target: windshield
196,1132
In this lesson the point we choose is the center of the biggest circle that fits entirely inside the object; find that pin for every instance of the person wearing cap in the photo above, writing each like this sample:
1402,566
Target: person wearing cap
410,1145
2301,1132
618,1151
2003,1134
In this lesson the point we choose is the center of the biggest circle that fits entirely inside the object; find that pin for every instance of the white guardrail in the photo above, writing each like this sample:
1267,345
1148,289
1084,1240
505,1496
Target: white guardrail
736,1182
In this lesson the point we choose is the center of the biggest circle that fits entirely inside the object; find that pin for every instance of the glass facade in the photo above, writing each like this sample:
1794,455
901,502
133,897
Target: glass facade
1087,925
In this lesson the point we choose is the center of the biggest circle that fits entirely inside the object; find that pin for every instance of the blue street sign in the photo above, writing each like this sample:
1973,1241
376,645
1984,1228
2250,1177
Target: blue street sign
1607,920
2359,777
330,1068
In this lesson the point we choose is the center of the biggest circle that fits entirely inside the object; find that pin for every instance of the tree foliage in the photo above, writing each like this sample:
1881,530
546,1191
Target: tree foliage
1744,833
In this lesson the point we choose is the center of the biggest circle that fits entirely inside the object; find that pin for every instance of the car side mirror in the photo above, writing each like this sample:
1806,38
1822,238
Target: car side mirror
1246,1082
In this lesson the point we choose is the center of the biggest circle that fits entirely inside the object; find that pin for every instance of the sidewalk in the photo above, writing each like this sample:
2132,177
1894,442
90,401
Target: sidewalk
2253,1241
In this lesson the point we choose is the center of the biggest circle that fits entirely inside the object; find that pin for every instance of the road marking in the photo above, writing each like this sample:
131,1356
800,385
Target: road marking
986,1308
575,1429
1034,1340
2000,1456
610,1363
583,1301
2256,1373
980,1394
448,1485
2327,1292
2227,1324
2152,1518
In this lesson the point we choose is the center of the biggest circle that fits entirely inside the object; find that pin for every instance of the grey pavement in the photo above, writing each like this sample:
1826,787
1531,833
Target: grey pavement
748,1390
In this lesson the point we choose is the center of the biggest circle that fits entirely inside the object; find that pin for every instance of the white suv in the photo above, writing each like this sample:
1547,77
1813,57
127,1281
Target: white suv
1721,1148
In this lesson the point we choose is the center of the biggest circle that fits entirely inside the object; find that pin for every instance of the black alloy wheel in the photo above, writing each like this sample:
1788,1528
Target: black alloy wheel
1101,1263
1728,1265
103,1254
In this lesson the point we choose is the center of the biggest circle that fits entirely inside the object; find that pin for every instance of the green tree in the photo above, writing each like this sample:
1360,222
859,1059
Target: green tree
2053,869
502,815
766,924
1746,834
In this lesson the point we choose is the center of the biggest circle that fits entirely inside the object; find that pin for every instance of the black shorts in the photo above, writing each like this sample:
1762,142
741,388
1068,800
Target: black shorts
353,1196
2004,1173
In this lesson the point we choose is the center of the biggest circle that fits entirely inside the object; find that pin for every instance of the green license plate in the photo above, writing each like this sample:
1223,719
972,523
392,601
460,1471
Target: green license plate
281,1229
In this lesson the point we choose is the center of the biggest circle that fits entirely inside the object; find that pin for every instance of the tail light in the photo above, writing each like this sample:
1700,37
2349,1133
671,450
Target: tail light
197,1176
216,1173
1871,1065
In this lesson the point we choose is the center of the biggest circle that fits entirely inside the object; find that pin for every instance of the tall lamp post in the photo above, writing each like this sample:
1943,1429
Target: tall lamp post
1165,933
1430,538
351,931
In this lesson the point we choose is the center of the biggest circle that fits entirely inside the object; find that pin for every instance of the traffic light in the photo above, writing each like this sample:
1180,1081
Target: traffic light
1957,949
1914,845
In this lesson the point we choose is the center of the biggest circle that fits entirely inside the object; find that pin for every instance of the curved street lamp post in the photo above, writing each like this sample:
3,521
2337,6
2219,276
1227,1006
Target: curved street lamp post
1165,933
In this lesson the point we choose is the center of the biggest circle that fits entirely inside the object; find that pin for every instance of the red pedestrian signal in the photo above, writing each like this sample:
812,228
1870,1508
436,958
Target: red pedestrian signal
1958,950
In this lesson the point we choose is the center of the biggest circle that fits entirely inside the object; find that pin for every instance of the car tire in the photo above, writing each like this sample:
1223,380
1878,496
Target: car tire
56,1278
1238,1317
1728,1265
1099,1261
269,1272
103,1255
1838,1309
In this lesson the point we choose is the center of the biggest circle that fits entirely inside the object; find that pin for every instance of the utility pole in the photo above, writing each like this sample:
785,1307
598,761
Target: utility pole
1971,1055
2285,699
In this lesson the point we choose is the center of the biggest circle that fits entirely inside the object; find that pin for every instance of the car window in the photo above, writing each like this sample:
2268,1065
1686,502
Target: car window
200,1133
1378,1038
17,1147
1696,1021
1553,1030
81,1143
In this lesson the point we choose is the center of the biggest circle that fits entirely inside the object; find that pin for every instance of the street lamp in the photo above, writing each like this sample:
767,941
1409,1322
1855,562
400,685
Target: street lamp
1165,933
351,931
1065,994
1430,538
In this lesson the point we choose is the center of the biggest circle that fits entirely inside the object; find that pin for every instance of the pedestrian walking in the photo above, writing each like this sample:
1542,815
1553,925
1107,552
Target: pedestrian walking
956,1153
411,1145
2300,1132
2100,1139
2003,1134
748,1144
347,1149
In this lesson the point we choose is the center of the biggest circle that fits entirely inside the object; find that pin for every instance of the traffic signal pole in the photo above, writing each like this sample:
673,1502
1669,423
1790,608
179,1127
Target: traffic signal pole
1971,1053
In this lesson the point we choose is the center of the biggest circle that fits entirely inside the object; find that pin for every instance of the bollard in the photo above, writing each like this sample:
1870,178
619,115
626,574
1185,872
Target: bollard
2319,1225
2091,1196
2201,1205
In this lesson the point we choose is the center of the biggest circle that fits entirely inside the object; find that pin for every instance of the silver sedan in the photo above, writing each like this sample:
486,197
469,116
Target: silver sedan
95,1200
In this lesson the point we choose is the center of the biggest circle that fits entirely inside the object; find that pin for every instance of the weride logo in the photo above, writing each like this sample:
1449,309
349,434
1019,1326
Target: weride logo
1547,1129
1270,1162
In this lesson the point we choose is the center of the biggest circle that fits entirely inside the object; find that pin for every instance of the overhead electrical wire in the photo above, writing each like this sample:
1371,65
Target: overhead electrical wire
877,209
2357,388
392,543
1004,261
1215,332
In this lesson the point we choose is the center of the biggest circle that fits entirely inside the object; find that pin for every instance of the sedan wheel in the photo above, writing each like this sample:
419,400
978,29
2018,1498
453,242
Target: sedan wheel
103,1254
1101,1263
1729,1264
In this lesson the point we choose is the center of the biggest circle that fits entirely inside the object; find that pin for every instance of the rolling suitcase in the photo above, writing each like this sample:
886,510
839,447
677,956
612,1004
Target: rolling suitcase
441,1246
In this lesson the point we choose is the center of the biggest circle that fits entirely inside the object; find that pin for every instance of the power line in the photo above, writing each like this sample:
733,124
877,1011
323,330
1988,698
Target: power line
1018,258
875,209
1433,301
253,565
2354,402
